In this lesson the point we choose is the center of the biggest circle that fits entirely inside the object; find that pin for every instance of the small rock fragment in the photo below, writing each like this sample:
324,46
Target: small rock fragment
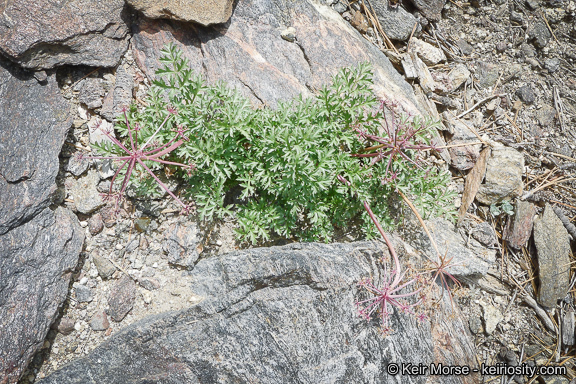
459,75
546,115
95,224
289,34
516,17
465,47
553,252
484,233
149,283
552,65
105,268
539,35
463,157
120,96
142,224
84,193
397,23
77,164
339,7
503,178
99,322
501,46
526,94
121,299
519,226
487,74
65,325
429,54
492,317
430,9
84,294
180,245
97,127
91,92
108,215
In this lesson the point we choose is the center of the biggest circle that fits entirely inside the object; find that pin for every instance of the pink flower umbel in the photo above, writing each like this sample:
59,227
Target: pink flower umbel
398,138
388,295
135,155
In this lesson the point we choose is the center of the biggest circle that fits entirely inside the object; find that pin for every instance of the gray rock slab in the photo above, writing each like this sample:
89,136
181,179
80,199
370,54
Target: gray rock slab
276,315
469,258
553,252
36,263
205,12
250,54
34,119
503,180
44,34
396,22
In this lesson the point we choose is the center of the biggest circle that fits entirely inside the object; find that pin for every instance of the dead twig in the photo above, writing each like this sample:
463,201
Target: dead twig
553,182
411,35
479,104
548,25
540,312
558,106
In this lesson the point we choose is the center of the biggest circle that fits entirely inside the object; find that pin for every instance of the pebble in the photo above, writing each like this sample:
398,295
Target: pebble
526,94
95,224
501,46
339,7
552,65
84,294
142,224
149,284
99,322
516,17
83,280
104,267
147,297
540,35
289,34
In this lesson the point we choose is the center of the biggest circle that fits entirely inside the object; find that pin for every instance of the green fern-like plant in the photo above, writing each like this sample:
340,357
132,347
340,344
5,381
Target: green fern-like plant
276,170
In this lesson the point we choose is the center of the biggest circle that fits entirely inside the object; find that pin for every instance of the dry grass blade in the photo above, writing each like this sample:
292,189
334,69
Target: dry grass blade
473,181
374,19
413,208
479,104
558,180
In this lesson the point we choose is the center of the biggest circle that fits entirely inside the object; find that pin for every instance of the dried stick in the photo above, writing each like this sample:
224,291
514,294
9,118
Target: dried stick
540,312
567,224
480,103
